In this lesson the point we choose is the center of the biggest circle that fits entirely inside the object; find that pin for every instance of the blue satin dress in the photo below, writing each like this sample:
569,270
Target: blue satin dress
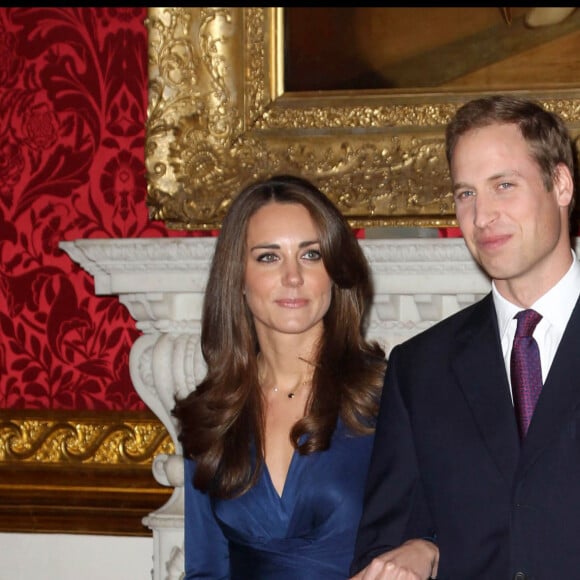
307,533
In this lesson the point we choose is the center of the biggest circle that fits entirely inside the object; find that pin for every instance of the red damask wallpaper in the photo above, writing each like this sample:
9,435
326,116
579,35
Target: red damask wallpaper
73,106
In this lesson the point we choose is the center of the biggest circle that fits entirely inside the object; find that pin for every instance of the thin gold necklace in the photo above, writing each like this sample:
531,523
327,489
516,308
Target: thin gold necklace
292,394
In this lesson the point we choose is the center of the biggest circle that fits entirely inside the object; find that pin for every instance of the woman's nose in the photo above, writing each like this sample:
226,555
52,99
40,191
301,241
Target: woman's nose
292,274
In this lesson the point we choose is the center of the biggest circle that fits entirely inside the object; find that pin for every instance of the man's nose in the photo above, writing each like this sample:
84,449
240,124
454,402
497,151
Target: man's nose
485,211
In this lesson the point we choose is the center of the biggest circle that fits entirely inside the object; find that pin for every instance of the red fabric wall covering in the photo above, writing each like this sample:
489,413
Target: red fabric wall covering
73,105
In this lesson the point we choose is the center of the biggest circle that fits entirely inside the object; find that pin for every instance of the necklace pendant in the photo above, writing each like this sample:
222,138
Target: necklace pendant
291,395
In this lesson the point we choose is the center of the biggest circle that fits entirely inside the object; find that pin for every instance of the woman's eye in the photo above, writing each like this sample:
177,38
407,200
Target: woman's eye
312,255
268,257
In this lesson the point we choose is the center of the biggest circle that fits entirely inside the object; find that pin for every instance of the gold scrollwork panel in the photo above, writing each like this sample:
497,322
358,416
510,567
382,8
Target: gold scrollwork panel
219,118
79,472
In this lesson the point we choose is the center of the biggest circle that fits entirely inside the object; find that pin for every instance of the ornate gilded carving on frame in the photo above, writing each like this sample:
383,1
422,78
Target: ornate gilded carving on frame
219,117
79,473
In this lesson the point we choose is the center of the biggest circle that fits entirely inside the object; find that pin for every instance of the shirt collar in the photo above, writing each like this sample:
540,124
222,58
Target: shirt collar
555,306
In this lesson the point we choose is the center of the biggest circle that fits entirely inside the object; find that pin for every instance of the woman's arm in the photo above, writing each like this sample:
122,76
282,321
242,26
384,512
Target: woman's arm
206,548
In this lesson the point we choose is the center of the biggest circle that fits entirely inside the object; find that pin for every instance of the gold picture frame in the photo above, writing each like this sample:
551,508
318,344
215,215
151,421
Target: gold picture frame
80,472
219,117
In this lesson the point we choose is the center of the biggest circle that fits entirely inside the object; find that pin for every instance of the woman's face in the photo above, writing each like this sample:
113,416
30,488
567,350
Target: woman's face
287,287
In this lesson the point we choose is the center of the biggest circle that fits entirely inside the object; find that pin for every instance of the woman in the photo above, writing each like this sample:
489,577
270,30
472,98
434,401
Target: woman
277,437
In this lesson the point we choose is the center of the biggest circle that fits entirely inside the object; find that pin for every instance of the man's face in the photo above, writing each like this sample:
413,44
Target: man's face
514,228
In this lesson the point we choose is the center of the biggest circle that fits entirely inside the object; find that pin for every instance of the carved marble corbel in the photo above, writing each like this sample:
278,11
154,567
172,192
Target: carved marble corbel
161,282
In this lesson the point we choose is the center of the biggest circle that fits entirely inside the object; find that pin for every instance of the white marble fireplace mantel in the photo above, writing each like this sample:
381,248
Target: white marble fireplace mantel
161,281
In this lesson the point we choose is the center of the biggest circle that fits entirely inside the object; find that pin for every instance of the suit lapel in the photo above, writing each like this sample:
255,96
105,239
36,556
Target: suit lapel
560,395
479,366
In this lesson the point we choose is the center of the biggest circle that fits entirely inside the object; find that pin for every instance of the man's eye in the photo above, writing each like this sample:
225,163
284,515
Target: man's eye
464,194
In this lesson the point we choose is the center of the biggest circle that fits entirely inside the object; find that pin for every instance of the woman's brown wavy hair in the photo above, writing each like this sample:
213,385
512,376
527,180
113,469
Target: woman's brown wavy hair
222,420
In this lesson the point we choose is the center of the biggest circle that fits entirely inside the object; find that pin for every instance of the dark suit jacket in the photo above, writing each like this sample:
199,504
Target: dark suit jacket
447,462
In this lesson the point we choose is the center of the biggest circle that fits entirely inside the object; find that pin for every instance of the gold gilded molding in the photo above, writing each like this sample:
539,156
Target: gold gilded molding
218,118
107,441
80,472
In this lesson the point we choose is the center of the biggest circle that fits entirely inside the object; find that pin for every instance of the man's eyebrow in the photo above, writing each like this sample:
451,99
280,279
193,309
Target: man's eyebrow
494,177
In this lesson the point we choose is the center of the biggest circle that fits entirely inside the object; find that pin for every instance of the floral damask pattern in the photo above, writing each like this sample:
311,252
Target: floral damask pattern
73,106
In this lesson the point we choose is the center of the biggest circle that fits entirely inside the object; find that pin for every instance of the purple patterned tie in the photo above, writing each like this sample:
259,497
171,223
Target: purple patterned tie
526,370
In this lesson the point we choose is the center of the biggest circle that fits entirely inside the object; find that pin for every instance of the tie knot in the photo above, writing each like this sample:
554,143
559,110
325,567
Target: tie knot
527,321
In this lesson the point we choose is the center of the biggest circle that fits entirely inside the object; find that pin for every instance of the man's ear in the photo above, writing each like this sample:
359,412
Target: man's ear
563,185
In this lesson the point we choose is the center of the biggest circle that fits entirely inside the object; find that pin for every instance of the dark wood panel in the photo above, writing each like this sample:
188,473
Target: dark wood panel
84,500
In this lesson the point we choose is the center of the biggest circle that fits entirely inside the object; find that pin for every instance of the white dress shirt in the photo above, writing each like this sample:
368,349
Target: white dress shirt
555,307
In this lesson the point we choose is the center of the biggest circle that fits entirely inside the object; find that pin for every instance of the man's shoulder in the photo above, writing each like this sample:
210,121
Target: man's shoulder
469,319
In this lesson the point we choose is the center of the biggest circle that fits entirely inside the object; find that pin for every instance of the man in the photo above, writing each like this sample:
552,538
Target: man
458,489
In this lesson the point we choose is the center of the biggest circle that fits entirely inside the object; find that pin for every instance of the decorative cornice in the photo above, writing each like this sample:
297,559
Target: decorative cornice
121,266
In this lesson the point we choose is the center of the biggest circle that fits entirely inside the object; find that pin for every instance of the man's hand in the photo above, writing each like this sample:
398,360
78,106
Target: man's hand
413,560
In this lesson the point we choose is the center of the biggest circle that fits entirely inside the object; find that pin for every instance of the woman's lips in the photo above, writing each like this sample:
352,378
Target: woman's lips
292,302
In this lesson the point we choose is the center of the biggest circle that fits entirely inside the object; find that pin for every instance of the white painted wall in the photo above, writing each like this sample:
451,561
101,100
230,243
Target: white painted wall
75,557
